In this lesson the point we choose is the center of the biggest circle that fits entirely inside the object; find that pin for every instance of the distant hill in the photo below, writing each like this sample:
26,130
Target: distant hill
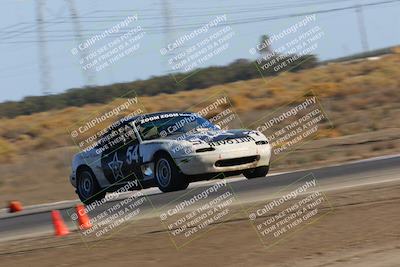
238,70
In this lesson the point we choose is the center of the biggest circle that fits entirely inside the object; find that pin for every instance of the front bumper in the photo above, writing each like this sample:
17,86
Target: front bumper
232,160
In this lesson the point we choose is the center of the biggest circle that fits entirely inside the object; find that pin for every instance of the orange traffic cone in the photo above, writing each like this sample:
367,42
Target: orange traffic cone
14,206
83,218
60,228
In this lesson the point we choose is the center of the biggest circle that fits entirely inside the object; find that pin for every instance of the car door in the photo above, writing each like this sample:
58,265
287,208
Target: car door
120,160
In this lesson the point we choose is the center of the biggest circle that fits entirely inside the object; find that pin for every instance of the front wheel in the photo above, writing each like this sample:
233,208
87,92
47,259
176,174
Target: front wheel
256,172
87,188
168,176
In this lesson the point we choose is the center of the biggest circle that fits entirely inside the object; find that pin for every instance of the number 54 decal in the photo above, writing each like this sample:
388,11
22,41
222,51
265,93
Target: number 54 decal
132,154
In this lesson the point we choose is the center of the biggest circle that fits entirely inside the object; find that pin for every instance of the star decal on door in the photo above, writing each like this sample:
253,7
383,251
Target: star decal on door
116,167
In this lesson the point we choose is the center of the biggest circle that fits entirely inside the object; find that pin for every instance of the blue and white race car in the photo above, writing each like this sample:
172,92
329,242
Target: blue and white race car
168,150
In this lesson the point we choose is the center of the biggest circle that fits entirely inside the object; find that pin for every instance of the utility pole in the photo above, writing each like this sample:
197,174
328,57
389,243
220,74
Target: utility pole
42,49
88,75
169,35
362,29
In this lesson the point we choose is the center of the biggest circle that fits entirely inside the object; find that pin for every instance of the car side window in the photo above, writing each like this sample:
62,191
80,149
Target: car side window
127,134
111,139
117,137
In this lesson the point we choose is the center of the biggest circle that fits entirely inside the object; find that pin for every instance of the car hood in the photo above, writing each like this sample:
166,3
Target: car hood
218,136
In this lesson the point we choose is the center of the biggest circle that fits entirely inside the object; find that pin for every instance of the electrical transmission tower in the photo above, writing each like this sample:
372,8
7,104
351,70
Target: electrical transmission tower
42,46
169,33
88,75
362,29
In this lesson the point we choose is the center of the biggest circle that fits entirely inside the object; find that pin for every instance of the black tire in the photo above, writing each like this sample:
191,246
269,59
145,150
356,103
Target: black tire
167,175
256,172
87,187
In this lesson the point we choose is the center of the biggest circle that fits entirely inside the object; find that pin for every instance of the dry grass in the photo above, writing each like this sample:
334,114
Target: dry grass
358,97
363,95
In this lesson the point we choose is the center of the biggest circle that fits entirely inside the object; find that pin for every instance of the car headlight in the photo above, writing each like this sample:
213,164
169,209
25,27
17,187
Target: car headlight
263,142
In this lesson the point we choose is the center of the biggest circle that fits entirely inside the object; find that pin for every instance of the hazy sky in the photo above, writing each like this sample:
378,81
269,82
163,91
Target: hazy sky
20,69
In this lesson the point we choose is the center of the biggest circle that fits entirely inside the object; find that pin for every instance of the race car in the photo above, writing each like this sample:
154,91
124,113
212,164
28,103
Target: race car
168,150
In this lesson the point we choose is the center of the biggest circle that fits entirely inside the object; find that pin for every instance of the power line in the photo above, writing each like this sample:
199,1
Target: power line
286,5
31,26
143,17
162,29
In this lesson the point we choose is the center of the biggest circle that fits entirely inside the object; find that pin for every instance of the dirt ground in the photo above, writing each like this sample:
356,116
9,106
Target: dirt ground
361,229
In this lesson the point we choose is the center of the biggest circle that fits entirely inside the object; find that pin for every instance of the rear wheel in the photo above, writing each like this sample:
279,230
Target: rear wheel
168,176
256,172
88,188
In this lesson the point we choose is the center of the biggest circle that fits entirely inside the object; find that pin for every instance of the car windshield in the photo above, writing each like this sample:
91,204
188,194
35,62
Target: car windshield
163,125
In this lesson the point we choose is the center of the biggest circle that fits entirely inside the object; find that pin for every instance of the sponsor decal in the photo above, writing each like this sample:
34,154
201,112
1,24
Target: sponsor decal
145,119
232,141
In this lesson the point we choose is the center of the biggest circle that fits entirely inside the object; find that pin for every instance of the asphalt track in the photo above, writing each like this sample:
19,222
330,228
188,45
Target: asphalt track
37,220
